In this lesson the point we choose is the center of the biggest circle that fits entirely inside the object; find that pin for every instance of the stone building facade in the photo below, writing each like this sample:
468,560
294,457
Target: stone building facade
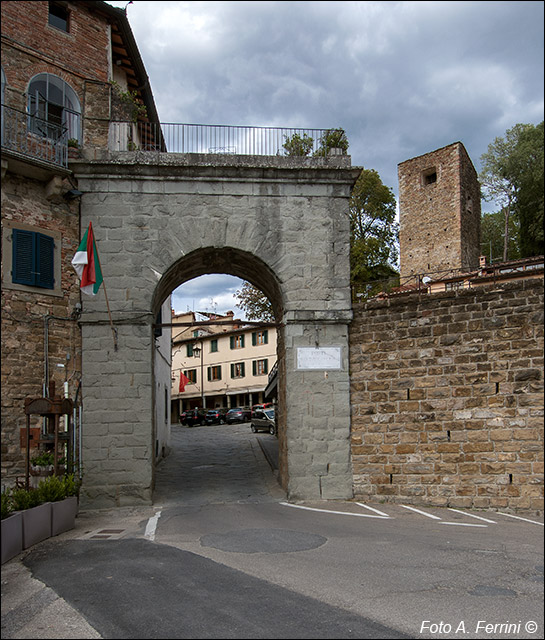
440,213
58,63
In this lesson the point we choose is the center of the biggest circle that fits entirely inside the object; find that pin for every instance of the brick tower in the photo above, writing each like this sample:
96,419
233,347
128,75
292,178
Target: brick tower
440,212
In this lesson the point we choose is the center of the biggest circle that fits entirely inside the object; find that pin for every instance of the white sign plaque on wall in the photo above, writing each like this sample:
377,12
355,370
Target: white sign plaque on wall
319,358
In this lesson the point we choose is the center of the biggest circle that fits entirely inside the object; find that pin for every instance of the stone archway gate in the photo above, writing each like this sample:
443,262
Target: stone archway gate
161,219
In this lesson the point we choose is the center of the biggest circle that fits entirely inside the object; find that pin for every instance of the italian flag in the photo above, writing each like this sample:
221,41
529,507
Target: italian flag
87,264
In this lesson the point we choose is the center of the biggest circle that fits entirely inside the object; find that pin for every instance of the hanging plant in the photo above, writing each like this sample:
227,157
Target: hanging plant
127,105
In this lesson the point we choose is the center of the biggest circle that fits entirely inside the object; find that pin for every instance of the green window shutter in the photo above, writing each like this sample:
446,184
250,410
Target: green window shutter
242,369
213,346
254,367
254,339
189,350
209,374
23,257
242,341
232,342
33,259
266,336
232,370
219,373
265,366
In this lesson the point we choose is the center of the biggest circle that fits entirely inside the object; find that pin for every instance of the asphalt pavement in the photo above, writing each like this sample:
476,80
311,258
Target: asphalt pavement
222,554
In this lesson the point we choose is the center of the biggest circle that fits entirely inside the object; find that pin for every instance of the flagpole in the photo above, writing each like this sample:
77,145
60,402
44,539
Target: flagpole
114,330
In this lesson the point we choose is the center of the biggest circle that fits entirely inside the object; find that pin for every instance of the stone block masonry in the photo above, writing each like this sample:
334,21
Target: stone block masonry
447,398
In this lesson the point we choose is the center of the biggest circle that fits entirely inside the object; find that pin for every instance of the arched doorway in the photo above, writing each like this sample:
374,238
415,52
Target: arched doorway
245,265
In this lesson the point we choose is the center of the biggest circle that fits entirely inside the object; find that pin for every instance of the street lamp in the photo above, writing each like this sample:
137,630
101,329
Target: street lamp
197,352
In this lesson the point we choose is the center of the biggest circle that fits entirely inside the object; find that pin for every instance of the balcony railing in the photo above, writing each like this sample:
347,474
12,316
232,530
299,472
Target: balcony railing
34,137
216,139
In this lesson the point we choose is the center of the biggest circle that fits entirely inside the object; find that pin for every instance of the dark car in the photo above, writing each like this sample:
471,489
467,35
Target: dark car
194,417
216,416
264,420
238,414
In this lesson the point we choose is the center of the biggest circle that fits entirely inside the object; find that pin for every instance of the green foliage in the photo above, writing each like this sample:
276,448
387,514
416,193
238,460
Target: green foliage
72,142
22,499
254,303
296,145
71,485
492,241
7,504
373,231
43,459
512,175
129,103
332,139
50,489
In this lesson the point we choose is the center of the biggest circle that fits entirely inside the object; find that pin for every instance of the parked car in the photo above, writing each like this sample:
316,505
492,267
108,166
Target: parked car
194,417
260,407
216,416
264,420
238,414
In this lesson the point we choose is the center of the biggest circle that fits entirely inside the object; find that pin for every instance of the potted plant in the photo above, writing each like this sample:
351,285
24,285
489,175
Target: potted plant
36,515
41,466
297,145
12,528
62,493
333,142
73,148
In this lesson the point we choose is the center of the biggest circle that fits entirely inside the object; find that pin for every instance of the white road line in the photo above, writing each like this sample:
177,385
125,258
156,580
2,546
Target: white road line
151,526
428,515
519,518
465,524
471,515
371,509
341,513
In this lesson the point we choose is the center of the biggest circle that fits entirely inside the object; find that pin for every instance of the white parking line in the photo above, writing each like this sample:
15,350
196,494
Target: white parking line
471,515
151,526
428,515
465,524
341,513
519,518
371,509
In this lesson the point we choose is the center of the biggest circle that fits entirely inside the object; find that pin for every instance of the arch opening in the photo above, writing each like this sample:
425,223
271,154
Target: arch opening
217,368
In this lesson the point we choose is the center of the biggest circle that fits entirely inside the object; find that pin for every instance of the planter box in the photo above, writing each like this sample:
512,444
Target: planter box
12,536
36,524
63,515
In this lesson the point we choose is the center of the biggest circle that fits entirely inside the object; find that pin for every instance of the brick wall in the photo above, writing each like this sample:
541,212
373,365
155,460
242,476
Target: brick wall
447,398
24,312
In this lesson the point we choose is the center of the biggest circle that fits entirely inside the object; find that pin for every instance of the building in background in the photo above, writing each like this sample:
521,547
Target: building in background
220,363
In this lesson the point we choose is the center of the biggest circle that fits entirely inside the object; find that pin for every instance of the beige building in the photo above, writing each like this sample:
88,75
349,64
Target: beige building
221,362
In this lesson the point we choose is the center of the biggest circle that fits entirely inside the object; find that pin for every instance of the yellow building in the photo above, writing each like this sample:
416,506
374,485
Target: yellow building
221,362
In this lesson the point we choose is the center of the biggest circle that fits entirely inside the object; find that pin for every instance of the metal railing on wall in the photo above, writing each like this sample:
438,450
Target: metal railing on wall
215,139
34,137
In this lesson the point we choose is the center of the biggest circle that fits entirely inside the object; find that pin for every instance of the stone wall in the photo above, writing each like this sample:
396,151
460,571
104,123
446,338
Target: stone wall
447,398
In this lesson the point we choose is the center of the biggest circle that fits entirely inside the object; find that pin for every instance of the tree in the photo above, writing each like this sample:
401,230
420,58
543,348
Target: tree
492,236
254,303
373,230
512,176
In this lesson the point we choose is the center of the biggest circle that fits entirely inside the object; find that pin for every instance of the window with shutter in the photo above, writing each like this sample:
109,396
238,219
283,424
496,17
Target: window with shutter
33,259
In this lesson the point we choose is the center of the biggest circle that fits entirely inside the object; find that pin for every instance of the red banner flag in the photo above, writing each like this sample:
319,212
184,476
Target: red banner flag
183,381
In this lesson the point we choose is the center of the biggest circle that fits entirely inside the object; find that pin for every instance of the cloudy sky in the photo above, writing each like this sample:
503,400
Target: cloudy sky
402,78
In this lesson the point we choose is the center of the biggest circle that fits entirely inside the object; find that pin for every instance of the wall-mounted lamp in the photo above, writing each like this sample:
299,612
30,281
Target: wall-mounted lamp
72,194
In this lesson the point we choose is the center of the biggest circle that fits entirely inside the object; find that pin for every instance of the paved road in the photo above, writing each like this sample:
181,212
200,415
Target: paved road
221,554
